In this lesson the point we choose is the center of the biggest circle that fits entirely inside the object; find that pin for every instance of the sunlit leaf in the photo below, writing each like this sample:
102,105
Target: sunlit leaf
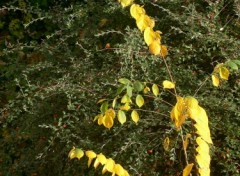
166,143
135,116
125,3
146,90
139,101
204,171
76,153
125,107
108,121
101,158
101,100
163,51
124,81
136,11
126,99
118,169
155,90
150,35
186,141
215,80
145,21
168,84
109,166
187,170
110,112
155,48
121,116
100,119
91,155
114,102
224,73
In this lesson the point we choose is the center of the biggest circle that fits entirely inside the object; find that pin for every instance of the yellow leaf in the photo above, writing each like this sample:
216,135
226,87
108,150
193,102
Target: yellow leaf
107,121
90,154
166,144
179,112
136,11
204,172
168,84
204,132
101,100
150,35
125,3
155,48
155,90
135,116
96,163
111,113
146,90
145,21
109,166
217,67
101,158
126,99
76,153
186,141
224,73
187,169
139,100
118,169
100,119
121,117
203,147
125,107
203,160
163,51
215,80
114,102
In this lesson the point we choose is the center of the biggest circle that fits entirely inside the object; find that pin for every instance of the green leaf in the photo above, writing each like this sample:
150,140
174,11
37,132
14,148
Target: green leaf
121,116
124,81
114,102
139,100
232,65
120,89
126,99
138,86
104,107
237,62
76,153
129,90
155,90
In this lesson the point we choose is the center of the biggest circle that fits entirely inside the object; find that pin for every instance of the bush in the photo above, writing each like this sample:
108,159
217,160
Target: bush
56,66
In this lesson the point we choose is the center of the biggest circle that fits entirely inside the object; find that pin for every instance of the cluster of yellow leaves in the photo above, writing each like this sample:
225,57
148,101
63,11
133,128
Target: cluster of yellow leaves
109,164
107,119
146,24
188,107
222,71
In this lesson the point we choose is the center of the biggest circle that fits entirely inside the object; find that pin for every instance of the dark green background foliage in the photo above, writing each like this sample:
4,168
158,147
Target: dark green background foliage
54,68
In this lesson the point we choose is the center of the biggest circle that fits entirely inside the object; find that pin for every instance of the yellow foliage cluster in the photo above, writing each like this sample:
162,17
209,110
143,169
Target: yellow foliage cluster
109,164
146,24
222,71
188,107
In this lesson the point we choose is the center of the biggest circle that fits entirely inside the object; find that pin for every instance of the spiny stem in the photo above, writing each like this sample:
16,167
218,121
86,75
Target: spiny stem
204,82
170,75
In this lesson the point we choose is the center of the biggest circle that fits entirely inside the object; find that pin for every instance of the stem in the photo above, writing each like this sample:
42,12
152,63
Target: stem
185,151
170,75
204,82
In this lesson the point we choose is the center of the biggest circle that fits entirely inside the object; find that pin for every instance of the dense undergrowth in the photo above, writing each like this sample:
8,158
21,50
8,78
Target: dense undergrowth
58,59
